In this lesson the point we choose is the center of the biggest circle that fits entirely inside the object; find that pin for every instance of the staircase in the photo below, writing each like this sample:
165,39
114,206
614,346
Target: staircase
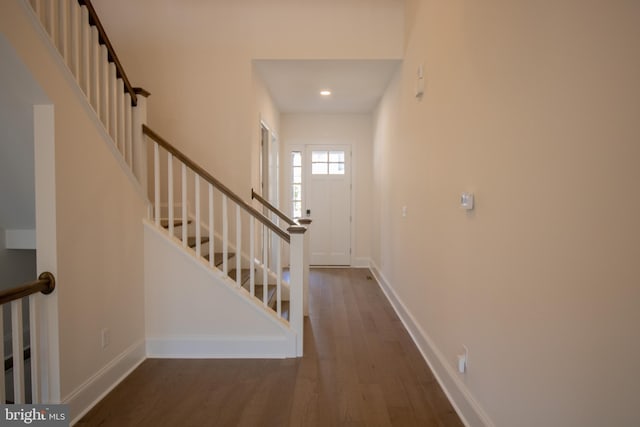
261,261
245,273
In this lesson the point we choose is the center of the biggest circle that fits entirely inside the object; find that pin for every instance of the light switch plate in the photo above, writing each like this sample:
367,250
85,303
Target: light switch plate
466,201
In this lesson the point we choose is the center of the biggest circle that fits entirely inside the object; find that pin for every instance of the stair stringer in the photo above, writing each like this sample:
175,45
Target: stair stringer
194,311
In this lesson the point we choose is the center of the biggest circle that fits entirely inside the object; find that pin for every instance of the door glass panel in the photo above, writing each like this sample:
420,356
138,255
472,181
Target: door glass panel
336,156
319,156
319,168
297,174
327,162
336,168
296,184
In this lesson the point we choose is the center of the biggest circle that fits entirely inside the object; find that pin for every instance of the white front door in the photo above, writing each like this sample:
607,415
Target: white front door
328,202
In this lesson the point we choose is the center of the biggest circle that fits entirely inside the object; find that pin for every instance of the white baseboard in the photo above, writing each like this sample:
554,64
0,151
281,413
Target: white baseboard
469,410
208,347
102,382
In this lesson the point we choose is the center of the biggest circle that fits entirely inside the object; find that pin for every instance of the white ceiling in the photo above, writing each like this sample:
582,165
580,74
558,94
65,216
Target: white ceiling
356,85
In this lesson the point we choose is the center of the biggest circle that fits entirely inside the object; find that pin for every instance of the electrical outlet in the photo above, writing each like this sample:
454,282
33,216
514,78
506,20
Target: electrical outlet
106,337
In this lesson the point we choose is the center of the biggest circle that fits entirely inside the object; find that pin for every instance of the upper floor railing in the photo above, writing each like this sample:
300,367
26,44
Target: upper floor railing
94,20
80,38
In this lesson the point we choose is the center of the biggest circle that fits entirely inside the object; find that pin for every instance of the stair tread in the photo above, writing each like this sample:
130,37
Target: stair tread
244,275
176,223
218,257
191,241
259,293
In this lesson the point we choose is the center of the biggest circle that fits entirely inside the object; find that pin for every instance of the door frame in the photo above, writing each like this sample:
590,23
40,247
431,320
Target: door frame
286,180
269,175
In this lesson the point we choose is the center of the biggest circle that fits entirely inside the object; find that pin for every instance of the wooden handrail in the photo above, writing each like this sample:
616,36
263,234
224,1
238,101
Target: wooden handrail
102,34
272,208
217,184
46,283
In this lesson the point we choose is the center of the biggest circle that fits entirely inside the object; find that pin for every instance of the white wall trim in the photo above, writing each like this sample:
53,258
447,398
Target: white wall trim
47,250
20,239
220,347
467,407
93,390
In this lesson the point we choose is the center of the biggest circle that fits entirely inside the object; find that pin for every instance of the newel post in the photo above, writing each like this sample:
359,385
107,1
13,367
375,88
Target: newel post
139,146
306,222
296,283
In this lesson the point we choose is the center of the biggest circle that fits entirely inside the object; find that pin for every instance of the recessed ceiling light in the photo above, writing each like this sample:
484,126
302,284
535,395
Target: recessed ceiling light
325,92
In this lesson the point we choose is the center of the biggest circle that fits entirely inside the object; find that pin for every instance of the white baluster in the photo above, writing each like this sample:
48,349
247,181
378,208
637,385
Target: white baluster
128,137
63,30
94,71
75,39
112,80
238,246
265,259
184,206
279,277
86,53
50,25
3,398
252,255
104,86
225,235
197,196
34,347
121,108
17,347
170,193
212,235
156,182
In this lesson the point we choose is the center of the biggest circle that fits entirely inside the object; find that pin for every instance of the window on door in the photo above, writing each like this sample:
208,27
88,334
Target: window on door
327,162
296,184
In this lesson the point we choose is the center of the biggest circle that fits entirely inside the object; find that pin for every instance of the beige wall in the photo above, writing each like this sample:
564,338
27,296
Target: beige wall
354,130
534,107
195,59
99,212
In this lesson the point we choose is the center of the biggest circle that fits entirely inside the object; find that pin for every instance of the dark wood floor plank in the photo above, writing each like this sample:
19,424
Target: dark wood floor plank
360,368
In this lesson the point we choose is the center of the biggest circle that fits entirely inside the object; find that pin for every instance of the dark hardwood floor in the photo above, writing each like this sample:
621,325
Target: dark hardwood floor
360,368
